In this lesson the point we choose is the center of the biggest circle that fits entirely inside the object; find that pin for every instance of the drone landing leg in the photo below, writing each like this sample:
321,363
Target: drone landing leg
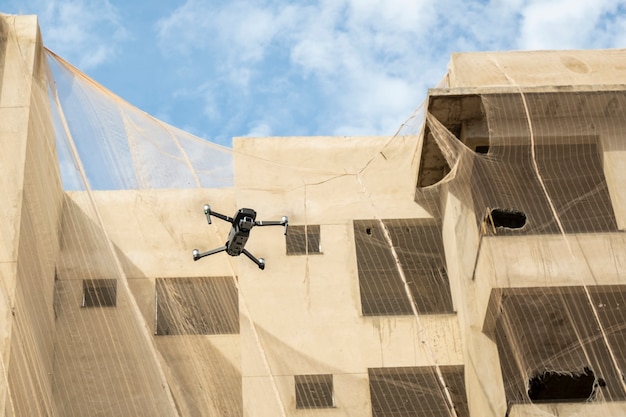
197,255
259,262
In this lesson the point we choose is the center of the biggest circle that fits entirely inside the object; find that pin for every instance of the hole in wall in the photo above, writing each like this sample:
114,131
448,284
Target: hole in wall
511,219
564,387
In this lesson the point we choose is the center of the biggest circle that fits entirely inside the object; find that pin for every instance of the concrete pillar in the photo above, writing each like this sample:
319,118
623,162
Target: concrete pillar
29,217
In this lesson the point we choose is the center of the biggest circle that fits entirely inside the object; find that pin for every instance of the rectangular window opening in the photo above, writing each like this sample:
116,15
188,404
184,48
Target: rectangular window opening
417,391
99,293
314,391
418,245
304,240
196,306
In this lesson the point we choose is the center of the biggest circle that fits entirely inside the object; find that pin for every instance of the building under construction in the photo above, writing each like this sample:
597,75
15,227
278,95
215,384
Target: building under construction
474,264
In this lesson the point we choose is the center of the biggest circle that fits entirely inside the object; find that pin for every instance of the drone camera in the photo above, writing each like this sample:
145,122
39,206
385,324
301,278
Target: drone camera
246,224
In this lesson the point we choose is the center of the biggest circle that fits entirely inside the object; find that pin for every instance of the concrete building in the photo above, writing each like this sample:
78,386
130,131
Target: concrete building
475,267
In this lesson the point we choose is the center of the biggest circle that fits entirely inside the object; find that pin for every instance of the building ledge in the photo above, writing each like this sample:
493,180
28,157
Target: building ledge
585,409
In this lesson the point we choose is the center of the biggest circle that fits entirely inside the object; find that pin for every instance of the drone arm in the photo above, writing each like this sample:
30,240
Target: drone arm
260,262
282,222
208,213
197,255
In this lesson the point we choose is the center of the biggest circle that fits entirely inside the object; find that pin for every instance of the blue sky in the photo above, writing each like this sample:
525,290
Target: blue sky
220,69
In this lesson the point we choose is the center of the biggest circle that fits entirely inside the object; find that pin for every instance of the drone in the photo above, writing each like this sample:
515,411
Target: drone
242,222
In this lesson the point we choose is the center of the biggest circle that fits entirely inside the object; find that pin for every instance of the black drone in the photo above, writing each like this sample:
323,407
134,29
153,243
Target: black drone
242,222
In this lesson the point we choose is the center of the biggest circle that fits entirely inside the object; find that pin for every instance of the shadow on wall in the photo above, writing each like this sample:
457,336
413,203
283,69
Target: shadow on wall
101,354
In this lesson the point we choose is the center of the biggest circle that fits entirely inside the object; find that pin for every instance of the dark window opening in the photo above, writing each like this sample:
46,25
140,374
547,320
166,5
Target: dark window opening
303,240
99,293
314,391
196,306
482,149
511,219
418,246
418,391
556,387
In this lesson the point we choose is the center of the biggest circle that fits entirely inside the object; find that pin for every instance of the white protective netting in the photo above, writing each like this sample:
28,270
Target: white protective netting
492,287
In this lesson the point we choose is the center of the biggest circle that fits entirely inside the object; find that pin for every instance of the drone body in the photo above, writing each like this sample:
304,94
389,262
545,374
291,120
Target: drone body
240,232
242,222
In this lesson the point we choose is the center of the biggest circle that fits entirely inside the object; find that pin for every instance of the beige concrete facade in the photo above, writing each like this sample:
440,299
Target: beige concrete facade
31,212
302,315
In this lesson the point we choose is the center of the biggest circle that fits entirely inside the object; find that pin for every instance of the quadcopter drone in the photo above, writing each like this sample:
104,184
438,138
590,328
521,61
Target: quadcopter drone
242,223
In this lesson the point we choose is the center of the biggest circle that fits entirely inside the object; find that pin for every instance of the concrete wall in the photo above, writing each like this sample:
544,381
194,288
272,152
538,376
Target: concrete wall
330,182
479,265
152,235
30,215
537,68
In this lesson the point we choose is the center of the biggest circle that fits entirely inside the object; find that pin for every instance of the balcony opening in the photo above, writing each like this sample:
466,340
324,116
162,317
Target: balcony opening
511,219
568,387
573,186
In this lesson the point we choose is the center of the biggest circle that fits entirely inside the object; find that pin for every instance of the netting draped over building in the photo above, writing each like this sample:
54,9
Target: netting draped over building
472,264
121,147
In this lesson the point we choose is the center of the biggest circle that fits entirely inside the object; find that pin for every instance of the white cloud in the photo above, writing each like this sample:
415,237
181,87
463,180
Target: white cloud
371,61
570,24
317,56
367,56
85,32
239,30
259,130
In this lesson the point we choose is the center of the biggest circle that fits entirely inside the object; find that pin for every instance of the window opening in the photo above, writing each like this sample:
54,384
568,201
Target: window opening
314,391
482,149
417,391
419,246
196,306
99,293
303,240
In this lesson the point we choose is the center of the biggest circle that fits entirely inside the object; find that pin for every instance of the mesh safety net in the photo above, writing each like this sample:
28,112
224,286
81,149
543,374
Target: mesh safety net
472,264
